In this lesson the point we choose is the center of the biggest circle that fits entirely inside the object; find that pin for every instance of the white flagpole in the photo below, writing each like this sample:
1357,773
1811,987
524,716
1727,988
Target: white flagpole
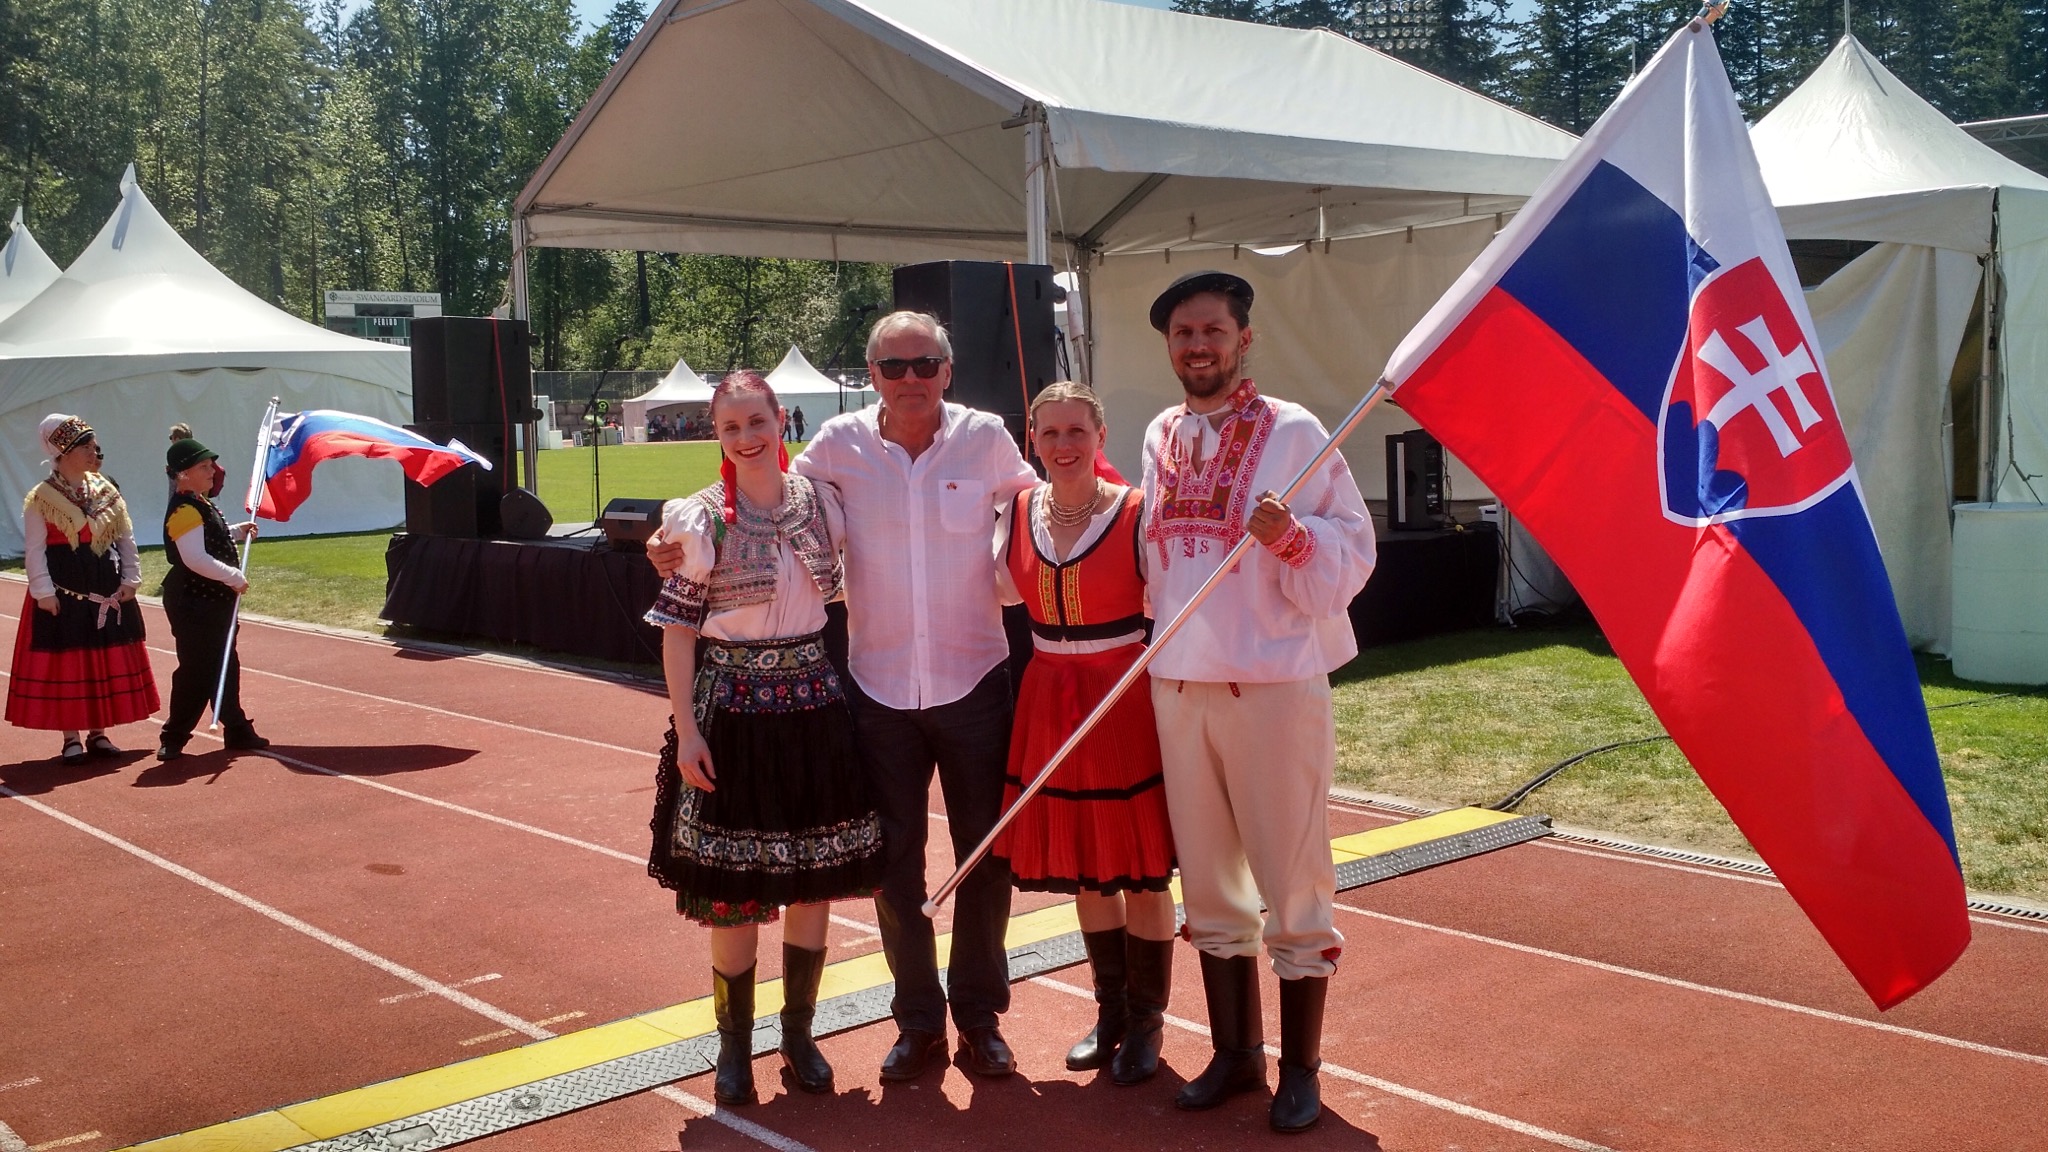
1159,639
249,504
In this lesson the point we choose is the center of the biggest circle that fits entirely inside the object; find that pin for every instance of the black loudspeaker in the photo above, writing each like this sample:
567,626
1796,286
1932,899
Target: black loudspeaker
627,523
523,517
1002,355
1415,482
471,370
466,502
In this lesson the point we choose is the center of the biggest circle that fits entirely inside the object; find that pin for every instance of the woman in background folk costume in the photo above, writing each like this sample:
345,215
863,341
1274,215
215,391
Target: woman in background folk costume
761,800
79,663
1099,830
199,598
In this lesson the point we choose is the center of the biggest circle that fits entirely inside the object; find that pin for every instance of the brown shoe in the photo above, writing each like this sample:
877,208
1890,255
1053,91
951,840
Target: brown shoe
985,1053
913,1051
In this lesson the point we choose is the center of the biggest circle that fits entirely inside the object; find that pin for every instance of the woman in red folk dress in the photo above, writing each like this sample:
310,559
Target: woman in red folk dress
1069,550
79,664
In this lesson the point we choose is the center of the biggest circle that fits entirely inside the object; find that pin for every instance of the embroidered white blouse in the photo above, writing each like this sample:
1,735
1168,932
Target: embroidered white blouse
797,609
1272,619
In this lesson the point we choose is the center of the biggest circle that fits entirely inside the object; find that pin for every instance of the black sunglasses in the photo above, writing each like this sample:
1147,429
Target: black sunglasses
893,368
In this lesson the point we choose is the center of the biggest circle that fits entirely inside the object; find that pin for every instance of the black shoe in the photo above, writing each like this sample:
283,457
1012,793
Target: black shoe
99,745
1236,1030
801,970
169,749
243,737
985,1052
1151,979
1299,1102
914,1049
1112,1007
732,1003
73,752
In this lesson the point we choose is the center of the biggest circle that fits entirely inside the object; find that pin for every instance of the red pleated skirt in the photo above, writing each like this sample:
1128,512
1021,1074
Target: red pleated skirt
1101,823
78,689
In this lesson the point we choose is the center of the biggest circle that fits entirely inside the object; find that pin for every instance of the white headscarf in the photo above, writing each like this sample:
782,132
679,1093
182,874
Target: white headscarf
48,428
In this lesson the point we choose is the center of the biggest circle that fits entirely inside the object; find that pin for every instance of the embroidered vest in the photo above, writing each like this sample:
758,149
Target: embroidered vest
1097,595
96,513
748,548
1210,502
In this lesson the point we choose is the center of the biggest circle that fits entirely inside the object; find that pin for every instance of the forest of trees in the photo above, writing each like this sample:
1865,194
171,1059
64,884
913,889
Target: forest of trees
379,145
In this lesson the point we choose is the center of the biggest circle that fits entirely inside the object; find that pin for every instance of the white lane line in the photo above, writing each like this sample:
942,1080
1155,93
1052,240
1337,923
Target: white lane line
1707,989
415,994
9,1142
23,1083
850,922
719,1115
490,1012
81,1138
391,967
1428,1099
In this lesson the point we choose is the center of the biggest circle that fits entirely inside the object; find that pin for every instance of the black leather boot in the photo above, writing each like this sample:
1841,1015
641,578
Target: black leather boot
1298,1103
1106,960
732,1003
1151,965
801,971
242,735
1236,1030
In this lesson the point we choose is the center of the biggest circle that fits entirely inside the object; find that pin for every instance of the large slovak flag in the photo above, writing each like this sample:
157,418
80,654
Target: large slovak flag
1631,367
301,441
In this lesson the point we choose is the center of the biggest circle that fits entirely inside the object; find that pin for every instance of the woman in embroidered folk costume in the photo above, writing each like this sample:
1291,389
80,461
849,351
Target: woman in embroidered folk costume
199,597
1069,549
762,803
79,664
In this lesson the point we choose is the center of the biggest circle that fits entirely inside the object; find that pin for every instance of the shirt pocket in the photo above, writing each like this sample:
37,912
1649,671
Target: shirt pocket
964,506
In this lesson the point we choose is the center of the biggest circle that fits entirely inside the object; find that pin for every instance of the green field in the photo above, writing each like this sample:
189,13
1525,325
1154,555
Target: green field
648,471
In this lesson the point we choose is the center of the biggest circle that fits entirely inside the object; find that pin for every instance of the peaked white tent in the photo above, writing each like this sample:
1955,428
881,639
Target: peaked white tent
25,269
682,385
1853,154
1127,144
141,332
795,382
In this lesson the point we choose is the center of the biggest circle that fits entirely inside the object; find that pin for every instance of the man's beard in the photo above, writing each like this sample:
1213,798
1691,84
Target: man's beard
1210,383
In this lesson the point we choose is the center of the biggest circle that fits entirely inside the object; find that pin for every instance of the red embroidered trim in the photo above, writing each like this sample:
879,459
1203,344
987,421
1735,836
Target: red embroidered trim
1210,503
1296,546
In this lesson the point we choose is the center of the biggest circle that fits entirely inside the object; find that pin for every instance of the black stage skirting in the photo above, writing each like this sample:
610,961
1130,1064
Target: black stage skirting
570,595
579,598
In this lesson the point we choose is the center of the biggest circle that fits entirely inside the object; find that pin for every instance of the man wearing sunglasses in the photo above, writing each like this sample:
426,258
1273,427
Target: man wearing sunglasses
920,481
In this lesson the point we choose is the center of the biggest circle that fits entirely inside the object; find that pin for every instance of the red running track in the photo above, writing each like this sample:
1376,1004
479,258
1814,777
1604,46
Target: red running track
443,858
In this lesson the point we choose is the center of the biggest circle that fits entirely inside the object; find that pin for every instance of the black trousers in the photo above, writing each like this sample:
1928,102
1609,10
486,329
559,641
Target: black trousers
968,742
199,625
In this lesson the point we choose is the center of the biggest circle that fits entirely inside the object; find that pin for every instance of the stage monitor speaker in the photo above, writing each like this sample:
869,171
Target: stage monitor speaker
1002,356
1415,482
627,523
471,370
467,502
523,517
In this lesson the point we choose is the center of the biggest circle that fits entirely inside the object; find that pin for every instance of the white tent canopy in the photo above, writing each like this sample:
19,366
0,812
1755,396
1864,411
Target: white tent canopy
141,332
25,269
1853,154
1066,130
795,380
682,385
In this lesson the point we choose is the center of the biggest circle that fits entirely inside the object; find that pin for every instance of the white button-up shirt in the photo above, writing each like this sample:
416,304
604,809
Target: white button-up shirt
924,623
1271,619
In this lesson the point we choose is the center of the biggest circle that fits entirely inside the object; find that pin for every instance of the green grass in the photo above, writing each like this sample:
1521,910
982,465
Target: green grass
1465,718
649,471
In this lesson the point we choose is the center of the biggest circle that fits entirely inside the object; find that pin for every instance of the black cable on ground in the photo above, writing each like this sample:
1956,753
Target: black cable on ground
1513,800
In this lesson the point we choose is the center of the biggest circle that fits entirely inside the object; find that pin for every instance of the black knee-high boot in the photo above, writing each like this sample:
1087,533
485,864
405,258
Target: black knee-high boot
732,1003
1107,960
1151,979
802,968
1236,1030
1298,1103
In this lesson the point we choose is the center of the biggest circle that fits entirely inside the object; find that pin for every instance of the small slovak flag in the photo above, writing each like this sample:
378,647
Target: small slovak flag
301,441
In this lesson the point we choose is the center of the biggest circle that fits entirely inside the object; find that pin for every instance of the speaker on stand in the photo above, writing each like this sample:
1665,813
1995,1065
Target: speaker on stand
472,380
1000,316
1415,482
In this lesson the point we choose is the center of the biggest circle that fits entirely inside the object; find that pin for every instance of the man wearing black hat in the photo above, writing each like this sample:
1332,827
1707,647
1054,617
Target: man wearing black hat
1242,693
199,598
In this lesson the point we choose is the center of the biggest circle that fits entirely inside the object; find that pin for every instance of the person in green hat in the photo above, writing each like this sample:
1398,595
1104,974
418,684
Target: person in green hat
200,592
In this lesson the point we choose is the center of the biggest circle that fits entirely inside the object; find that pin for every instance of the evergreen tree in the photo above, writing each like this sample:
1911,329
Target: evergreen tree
1571,61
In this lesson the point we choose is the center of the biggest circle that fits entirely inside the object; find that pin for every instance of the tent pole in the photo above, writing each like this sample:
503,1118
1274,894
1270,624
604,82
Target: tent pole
530,449
1037,243
1987,371
1085,346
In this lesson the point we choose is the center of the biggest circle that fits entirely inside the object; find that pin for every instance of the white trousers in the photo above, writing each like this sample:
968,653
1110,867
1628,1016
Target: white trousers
1248,770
